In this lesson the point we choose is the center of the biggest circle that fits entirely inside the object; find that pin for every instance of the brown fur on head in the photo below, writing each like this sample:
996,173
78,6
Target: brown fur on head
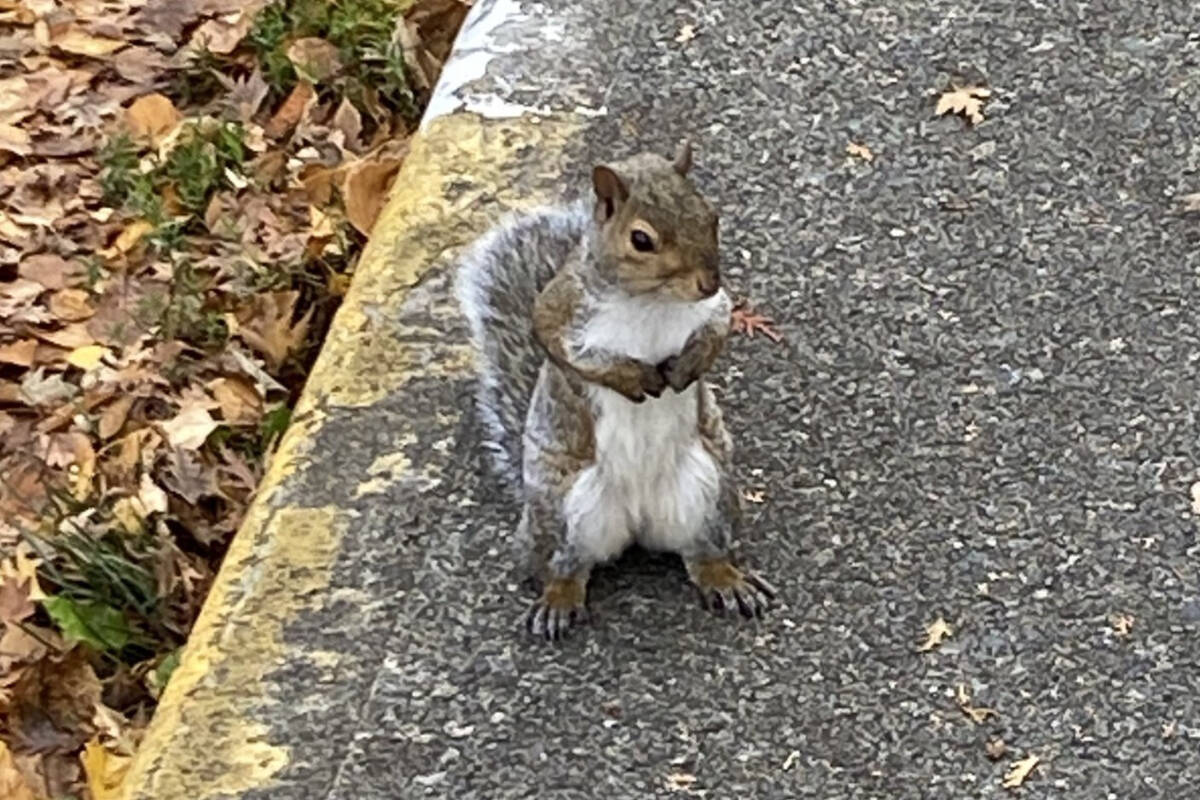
657,233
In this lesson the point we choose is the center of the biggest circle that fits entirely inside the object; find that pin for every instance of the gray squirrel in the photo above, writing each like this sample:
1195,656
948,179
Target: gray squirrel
594,324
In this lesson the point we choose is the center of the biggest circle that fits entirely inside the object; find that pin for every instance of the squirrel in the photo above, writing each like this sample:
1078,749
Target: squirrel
594,322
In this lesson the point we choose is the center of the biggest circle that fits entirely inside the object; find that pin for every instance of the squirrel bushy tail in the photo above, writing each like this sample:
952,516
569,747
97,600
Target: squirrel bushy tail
499,277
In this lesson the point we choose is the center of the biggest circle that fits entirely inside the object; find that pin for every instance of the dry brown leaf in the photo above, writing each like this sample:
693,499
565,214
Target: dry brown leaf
68,337
71,305
51,271
270,329
12,782
81,43
53,702
754,495
1122,624
314,58
240,403
153,117
190,427
105,770
743,319
222,35
290,112
995,749
15,604
22,566
967,101
1019,771
152,498
856,150
935,633
114,416
977,714
365,190
127,239
679,782
19,353
15,140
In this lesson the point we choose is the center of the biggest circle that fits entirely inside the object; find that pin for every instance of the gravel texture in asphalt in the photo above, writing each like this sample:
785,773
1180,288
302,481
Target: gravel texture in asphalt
984,410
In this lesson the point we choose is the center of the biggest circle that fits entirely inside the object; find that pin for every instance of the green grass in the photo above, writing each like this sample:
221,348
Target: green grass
373,68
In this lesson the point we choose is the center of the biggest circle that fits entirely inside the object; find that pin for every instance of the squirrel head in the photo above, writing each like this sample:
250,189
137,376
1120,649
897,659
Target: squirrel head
657,235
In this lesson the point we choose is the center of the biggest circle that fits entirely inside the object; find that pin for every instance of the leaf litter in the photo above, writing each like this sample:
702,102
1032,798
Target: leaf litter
184,192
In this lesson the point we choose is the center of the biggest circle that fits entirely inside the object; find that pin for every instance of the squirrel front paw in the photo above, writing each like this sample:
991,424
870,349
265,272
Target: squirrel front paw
681,371
723,587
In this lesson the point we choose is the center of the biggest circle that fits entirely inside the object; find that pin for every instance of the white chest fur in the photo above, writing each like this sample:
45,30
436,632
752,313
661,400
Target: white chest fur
652,478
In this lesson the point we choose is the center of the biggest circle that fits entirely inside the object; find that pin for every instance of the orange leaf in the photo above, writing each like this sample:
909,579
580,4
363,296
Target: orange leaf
152,116
366,190
291,111
12,783
71,305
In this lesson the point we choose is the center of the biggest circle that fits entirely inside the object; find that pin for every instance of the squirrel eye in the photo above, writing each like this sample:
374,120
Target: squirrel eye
641,241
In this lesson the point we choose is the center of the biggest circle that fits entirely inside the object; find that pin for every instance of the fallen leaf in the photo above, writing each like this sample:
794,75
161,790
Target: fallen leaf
68,337
151,496
71,305
1122,624
754,495
81,43
744,320
935,633
679,782
1019,772
314,58
127,239
153,117
967,101
190,427
860,151
977,715
19,353
104,770
88,357
189,478
290,112
15,140
51,271
365,190
1196,498
348,120
22,566
112,419
240,403
222,36
15,602
53,702
686,34
270,329
92,622
12,782
1191,202
995,749
38,389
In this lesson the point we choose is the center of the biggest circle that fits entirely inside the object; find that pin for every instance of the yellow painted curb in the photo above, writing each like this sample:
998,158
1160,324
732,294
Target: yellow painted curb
208,738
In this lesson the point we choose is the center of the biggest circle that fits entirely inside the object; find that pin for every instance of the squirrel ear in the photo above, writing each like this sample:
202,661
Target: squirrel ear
683,157
611,191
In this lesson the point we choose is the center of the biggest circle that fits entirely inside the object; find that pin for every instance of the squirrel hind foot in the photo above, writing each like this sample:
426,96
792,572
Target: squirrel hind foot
723,588
561,607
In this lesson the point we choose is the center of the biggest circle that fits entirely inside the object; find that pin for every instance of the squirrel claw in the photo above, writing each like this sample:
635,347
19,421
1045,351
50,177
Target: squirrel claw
723,588
559,609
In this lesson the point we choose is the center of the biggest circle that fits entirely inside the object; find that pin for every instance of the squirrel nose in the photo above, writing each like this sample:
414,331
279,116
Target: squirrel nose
708,283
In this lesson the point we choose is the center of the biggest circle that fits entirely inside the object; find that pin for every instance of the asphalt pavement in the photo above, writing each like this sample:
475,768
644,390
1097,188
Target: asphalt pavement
984,410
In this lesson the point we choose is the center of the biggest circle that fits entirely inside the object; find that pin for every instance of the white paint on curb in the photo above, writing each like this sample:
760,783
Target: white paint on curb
478,42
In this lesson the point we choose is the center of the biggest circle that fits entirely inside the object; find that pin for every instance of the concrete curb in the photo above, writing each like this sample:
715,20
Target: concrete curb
476,155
